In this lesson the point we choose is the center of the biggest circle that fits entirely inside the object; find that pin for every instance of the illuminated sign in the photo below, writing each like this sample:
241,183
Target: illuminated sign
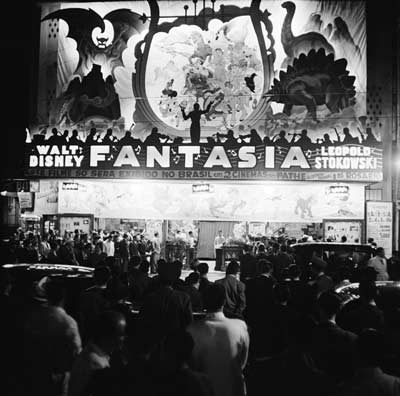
205,93
70,186
347,162
202,188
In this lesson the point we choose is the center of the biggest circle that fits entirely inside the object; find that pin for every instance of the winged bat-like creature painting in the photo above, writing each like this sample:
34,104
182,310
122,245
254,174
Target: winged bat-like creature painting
100,43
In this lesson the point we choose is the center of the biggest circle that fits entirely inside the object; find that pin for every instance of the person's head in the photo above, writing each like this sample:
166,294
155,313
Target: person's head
367,290
304,132
109,132
156,234
230,133
92,131
196,106
346,131
283,248
54,131
343,239
294,272
370,240
232,268
214,298
203,269
55,291
282,134
265,266
193,279
154,130
329,304
261,248
108,331
101,275
220,233
326,136
190,233
319,266
370,347
169,273
380,252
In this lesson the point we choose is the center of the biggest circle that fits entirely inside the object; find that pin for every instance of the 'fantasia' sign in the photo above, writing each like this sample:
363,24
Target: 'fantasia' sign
202,161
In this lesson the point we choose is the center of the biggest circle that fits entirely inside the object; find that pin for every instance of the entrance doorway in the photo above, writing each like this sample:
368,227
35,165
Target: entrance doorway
208,230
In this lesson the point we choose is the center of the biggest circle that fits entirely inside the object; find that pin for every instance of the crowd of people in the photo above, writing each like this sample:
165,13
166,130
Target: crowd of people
269,326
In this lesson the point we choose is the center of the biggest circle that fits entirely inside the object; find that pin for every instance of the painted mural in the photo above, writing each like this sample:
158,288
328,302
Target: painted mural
262,73
312,202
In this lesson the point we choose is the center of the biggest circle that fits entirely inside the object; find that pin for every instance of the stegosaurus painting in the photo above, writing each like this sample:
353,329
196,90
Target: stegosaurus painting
314,79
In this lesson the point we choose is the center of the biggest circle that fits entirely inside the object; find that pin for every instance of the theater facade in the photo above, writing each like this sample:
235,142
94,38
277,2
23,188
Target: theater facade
255,117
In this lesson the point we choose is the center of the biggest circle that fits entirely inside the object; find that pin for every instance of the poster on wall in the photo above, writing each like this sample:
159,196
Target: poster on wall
238,89
379,224
334,230
287,202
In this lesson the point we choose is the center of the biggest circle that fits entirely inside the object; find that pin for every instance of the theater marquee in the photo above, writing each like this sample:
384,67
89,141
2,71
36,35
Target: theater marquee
235,89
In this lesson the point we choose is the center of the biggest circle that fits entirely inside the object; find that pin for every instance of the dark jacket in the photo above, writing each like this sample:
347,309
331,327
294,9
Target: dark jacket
164,311
333,350
138,284
195,298
235,296
248,266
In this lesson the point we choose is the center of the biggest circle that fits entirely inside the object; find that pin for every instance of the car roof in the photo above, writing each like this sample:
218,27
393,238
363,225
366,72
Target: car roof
50,268
332,246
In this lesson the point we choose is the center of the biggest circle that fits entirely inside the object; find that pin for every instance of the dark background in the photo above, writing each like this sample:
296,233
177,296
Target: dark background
19,40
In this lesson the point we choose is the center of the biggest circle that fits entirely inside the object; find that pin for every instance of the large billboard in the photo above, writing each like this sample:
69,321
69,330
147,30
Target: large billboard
269,86
276,202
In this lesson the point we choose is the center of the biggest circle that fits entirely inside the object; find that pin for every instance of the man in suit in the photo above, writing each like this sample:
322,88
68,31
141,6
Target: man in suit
220,346
333,348
248,264
235,291
166,310
369,379
204,281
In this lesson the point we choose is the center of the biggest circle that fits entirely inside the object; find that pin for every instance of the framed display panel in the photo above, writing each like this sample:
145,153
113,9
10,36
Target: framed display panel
379,224
352,229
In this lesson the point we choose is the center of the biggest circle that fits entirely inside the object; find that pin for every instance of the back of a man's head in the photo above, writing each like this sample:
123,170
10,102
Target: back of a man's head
55,291
102,275
370,347
193,278
294,271
232,268
265,266
261,248
214,298
203,268
107,328
329,303
169,273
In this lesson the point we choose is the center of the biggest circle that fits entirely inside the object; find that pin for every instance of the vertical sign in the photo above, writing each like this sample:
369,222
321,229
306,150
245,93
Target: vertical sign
379,218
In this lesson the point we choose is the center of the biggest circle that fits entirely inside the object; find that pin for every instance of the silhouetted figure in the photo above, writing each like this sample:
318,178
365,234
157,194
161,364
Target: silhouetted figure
195,116
281,139
348,138
267,141
369,139
128,140
74,139
55,139
109,138
64,137
255,139
304,141
326,141
154,139
230,142
91,138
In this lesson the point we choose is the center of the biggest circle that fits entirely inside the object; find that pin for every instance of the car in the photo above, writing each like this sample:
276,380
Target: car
27,280
388,293
335,254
